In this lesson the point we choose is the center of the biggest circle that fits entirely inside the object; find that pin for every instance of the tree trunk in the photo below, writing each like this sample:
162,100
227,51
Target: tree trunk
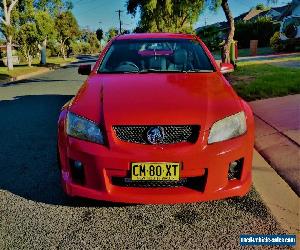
229,40
43,50
6,10
29,61
62,48
9,55
63,53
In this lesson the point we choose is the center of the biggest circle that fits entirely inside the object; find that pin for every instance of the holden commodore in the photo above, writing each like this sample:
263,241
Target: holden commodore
155,122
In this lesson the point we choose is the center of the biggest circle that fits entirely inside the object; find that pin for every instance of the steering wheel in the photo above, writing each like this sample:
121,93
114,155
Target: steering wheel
128,63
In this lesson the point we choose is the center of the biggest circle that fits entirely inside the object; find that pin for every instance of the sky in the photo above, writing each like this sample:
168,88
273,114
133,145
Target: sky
102,13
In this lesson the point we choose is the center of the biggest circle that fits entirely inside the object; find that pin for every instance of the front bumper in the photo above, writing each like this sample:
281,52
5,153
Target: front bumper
102,163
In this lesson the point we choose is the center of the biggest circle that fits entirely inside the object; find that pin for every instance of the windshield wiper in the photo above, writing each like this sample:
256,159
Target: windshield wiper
198,71
120,72
144,71
176,71
158,71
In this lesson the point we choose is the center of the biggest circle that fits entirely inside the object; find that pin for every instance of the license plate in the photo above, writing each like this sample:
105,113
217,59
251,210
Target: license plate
155,171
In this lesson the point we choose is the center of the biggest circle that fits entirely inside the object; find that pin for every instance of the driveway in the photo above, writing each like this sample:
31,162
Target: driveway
35,214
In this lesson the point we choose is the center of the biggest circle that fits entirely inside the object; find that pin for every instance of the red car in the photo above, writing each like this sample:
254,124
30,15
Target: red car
156,122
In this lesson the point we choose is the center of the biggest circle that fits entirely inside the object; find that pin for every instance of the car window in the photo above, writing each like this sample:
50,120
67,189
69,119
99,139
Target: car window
155,55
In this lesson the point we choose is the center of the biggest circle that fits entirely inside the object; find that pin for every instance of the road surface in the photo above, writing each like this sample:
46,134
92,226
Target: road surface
35,214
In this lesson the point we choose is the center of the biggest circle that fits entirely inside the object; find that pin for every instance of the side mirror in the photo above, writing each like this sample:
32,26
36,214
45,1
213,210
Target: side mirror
85,69
226,68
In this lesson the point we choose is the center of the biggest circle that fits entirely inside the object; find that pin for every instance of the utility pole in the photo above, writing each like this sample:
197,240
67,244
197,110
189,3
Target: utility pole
119,12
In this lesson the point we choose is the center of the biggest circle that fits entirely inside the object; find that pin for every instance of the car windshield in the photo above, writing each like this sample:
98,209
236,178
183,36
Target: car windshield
152,55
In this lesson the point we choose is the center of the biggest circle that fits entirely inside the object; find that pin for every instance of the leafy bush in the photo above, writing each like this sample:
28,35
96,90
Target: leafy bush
261,29
28,40
211,36
275,42
53,48
79,47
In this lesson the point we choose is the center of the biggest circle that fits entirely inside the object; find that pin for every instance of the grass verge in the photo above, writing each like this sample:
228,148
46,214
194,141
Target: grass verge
253,81
23,69
247,52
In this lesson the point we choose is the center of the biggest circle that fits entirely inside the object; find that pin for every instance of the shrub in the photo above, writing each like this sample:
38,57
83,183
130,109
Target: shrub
81,48
275,42
53,48
211,36
260,29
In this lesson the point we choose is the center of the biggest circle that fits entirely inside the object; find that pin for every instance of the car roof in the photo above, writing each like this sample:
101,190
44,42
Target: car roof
155,35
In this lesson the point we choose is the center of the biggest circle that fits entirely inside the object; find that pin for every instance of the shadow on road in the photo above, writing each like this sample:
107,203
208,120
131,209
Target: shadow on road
28,165
34,80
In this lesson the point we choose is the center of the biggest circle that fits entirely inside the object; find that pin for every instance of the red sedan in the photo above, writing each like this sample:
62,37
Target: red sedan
156,122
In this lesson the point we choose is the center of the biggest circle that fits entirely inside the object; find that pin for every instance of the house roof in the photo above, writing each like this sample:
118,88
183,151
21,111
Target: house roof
281,9
250,14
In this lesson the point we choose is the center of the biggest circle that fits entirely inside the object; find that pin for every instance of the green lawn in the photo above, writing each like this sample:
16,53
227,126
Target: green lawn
57,60
24,69
254,81
17,71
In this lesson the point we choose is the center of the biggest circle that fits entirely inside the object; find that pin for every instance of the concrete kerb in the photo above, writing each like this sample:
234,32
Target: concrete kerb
283,202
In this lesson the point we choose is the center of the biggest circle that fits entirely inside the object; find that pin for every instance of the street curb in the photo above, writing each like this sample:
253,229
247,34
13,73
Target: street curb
29,75
277,194
273,128
278,150
269,56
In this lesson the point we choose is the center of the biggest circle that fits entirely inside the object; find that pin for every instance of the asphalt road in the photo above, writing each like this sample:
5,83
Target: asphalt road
35,214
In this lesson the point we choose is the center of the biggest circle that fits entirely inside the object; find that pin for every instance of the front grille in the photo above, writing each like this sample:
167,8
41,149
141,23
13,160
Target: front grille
172,133
195,183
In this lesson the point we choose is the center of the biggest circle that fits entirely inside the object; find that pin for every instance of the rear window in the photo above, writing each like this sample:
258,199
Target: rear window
155,55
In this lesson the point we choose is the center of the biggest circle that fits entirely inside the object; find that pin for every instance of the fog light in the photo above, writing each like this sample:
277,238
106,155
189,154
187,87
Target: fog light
77,171
235,169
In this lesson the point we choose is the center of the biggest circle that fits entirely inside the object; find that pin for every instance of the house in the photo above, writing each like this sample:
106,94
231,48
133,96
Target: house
276,13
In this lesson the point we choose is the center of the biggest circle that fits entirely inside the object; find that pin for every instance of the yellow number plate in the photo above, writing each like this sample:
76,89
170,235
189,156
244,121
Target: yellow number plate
155,171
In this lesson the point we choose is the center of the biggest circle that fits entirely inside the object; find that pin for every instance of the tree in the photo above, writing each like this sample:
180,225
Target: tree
210,35
67,29
261,6
47,11
112,32
100,34
46,30
53,7
28,40
7,28
90,38
166,15
229,40
215,4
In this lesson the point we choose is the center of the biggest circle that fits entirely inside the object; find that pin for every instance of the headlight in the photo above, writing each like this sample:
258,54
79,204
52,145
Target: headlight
84,129
227,128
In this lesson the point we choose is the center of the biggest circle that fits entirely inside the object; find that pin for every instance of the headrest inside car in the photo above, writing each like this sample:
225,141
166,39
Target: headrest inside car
180,56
